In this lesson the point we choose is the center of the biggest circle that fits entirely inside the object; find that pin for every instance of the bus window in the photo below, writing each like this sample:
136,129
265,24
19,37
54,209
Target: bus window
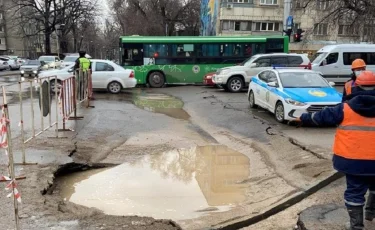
275,45
208,50
132,55
160,49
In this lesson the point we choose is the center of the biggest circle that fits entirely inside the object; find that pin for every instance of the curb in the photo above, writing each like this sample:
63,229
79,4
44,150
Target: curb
282,206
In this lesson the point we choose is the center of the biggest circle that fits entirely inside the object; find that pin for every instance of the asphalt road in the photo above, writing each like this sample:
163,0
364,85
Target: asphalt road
7,73
266,167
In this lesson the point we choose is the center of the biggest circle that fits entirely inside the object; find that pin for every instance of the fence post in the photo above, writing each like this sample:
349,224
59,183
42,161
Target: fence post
89,89
21,123
10,157
75,96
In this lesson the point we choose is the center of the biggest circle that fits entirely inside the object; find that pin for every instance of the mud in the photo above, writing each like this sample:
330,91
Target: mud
179,184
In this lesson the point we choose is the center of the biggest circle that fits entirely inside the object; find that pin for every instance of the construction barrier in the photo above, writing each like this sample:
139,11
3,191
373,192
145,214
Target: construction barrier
36,112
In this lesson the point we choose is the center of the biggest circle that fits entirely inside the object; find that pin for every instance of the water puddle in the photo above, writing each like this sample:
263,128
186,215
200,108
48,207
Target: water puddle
180,184
161,103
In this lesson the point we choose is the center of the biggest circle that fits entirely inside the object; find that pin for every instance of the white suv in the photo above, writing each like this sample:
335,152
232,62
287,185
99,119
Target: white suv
235,78
51,62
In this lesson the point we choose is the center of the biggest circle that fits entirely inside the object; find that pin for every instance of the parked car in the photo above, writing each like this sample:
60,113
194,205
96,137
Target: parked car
11,63
31,67
207,79
3,65
290,92
105,75
51,62
236,78
71,59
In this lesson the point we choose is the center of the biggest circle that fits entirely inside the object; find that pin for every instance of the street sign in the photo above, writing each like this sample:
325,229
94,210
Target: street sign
289,22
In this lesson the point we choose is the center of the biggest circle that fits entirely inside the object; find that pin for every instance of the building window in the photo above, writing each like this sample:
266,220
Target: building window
322,4
1,28
240,1
268,2
321,29
237,25
267,26
347,30
1,41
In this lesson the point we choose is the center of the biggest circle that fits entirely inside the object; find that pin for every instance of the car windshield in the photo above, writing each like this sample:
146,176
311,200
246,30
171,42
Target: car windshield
33,62
302,80
46,59
249,60
318,57
70,58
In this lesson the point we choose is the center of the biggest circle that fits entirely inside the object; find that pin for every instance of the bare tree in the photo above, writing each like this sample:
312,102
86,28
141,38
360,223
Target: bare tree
356,17
156,17
48,14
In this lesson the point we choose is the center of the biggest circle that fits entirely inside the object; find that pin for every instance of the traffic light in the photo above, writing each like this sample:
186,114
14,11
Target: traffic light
298,35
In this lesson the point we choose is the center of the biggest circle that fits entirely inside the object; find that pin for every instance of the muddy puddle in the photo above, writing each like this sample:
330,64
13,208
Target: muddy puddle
161,103
180,184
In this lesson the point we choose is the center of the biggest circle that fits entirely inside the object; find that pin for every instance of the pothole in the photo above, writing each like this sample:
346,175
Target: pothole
161,103
179,184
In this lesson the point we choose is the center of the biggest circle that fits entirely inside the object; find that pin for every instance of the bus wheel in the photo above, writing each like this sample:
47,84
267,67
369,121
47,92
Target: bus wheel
156,79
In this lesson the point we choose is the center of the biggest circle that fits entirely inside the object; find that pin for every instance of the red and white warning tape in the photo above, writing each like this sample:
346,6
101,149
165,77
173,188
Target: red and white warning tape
4,144
12,185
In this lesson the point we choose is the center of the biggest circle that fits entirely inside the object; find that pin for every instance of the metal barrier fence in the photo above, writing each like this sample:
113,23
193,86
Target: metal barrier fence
49,93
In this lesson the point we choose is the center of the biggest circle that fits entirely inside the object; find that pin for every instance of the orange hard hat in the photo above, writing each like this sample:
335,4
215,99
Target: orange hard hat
358,63
366,78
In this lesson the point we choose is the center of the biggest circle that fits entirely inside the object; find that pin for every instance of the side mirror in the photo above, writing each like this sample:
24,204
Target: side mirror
253,65
331,83
272,84
70,70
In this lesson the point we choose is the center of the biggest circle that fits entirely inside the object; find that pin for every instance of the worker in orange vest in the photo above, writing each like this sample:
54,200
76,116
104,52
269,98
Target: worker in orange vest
354,153
358,65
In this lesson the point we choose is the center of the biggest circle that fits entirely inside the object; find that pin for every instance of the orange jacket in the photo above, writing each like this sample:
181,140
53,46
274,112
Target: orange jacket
355,136
348,87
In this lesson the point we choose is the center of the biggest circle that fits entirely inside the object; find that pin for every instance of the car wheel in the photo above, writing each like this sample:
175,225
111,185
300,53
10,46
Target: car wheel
156,79
235,84
252,100
279,112
56,88
114,87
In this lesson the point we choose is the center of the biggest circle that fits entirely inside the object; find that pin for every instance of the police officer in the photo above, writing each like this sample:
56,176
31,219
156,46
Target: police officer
354,153
82,62
358,65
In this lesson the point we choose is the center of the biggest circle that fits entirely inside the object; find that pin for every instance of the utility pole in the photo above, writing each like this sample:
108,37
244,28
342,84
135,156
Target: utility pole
287,7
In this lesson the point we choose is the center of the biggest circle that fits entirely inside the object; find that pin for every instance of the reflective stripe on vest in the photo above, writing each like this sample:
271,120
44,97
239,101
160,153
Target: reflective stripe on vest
348,87
354,136
84,64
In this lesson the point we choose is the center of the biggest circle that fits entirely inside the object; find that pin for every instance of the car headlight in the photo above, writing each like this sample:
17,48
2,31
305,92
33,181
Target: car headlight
22,71
293,102
35,71
209,77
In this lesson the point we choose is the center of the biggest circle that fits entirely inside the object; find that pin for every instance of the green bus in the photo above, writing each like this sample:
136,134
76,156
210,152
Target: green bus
184,60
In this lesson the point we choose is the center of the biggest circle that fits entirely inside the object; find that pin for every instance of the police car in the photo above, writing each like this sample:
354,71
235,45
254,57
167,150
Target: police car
290,92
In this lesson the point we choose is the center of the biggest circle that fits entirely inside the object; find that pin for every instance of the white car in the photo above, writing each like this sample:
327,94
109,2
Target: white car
290,92
105,75
51,62
71,59
235,78
10,63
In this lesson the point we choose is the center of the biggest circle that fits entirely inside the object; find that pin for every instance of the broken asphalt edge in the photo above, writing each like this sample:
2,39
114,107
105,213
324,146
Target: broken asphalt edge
245,222
292,200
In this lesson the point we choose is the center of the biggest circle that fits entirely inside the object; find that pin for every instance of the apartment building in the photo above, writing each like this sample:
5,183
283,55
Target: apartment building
19,38
265,17
242,17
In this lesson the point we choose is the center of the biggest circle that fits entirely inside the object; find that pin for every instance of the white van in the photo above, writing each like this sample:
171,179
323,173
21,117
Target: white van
335,61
